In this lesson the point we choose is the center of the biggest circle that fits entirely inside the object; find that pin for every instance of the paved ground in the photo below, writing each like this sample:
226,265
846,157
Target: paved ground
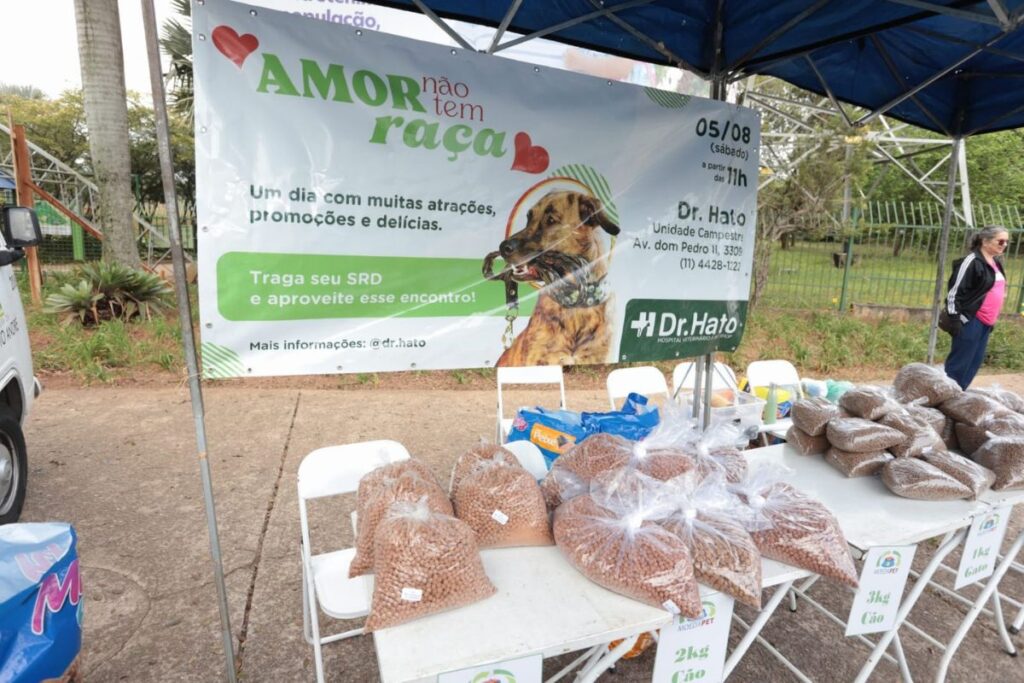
121,465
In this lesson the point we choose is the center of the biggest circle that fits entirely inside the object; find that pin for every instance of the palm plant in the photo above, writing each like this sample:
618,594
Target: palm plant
108,291
177,44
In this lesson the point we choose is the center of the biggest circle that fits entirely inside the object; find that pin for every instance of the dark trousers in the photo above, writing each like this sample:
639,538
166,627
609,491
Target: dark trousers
967,352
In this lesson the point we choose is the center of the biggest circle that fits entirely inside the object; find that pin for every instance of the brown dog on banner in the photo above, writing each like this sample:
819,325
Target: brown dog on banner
558,247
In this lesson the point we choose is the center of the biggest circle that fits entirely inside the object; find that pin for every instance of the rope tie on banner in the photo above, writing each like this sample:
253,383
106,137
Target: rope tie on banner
511,295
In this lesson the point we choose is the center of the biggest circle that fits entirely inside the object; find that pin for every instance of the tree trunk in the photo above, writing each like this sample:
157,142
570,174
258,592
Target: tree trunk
762,264
106,115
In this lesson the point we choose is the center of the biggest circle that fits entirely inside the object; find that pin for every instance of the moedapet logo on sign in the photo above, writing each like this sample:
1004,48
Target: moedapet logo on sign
706,618
496,676
888,563
990,524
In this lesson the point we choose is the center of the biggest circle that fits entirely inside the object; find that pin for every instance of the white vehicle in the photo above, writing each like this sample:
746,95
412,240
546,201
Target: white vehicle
19,228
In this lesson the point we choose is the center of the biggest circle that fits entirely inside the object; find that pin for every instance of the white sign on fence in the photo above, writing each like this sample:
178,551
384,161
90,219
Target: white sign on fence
981,549
521,670
878,598
694,649
370,203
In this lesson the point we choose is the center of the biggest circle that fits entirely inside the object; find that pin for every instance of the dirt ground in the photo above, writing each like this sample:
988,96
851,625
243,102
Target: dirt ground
120,464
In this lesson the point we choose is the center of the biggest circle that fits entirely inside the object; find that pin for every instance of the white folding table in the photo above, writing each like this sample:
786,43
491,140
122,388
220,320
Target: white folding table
543,606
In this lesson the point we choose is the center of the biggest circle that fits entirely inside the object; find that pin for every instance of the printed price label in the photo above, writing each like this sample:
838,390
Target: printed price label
412,594
521,670
694,649
499,517
881,589
981,549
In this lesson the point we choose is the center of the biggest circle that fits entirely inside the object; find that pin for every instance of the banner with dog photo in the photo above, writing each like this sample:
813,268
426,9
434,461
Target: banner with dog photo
373,203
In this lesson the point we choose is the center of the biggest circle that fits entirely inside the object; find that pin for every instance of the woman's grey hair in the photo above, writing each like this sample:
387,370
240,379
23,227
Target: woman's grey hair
985,234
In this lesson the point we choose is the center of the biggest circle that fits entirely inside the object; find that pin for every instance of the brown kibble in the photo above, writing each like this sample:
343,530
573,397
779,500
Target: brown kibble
917,381
972,475
468,461
804,443
409,486
862,436
426,562
970,439
933,416
1008,398
870,403
857,464
920,435
578,465
972,408
1003,455
504,506
1006,424
917,479
811,415
634,557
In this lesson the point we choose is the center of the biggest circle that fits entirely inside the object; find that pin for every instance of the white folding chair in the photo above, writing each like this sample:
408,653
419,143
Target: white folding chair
529,456
646,380
685,375
781,373
332,471
541,374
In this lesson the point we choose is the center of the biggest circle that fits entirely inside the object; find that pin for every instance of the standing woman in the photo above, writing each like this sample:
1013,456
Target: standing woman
977,289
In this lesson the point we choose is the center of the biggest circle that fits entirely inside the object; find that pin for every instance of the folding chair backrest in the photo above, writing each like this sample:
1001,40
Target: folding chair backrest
337,469
763,373
685,375
538,374
647,380
529,456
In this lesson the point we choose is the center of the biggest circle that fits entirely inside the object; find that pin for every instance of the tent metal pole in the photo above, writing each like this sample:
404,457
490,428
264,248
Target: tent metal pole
187,335
965,187
443,25
940,276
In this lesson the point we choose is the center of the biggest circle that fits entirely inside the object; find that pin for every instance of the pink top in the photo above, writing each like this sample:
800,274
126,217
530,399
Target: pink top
993,303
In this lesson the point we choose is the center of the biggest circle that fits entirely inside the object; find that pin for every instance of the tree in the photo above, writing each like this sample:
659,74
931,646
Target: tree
106,113
177,44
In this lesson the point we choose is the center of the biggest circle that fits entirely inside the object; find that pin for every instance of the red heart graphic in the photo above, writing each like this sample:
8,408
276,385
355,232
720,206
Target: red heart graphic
233,46
530,158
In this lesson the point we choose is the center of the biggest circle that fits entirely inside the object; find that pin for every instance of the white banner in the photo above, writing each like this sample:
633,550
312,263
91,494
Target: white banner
373,203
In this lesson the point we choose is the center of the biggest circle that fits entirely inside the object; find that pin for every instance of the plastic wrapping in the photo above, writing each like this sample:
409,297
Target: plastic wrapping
857,464
972,408
862,436
628,553
949,435
969,439
1004,455
408,486
503,504
40,603
663,453
969,473
1006,424
383,476
917,479
933,416
867,402
426,562
811,415
724,555
804,443
485,450
920,435
793,528
1008,398
571,473
917,381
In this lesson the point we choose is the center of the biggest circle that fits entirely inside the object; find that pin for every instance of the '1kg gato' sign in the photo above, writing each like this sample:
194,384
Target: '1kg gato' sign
373,203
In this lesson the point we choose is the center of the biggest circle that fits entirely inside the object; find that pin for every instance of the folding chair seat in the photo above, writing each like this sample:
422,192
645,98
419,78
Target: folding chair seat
325,472
781,373
533,375
529,456
646,380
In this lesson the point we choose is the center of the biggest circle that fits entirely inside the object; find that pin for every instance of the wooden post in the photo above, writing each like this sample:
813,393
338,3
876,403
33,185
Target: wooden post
23,185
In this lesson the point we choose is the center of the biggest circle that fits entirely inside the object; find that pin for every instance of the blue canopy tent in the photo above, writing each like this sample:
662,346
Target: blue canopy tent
950,66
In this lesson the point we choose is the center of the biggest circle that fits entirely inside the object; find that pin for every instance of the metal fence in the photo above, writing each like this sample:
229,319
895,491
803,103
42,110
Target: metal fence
888,258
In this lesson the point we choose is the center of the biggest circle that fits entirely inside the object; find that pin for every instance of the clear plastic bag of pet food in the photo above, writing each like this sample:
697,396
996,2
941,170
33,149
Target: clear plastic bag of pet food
503,504
920,435
917,479
862,436
484,450
571,473
969,473
724,555
1005,424
789,526
628,553
811,415
1004,455
408,486
1010,399
427,562
857,464
934,417
663,454
384,475
972,408
916,381
868,402
804,443
969,439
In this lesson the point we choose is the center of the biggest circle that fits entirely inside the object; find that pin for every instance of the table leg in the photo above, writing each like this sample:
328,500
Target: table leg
755,628
590,673
574,663
997,608
949,542
987,592
902,659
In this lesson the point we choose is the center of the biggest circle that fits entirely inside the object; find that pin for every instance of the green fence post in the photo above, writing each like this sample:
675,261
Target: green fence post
1020,295
847,262
77,242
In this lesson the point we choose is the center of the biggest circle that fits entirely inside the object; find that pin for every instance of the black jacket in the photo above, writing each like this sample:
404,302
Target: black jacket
971,279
